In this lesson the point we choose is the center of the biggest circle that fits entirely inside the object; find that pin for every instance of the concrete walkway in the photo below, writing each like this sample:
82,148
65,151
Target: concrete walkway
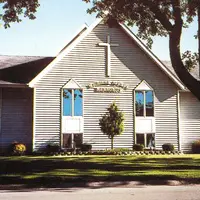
190,192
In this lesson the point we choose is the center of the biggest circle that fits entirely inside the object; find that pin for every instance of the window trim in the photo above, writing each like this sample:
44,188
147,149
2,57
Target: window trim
72,103
145,139
71,84
144,106
72,140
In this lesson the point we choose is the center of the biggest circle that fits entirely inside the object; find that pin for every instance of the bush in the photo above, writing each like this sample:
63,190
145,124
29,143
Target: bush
196,146
168,147
86,147
52,148
138,147
18,149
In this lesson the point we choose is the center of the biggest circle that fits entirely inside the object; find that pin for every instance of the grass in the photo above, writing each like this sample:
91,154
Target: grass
52,171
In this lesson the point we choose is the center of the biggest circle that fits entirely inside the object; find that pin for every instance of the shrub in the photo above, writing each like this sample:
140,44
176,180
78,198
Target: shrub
196,146
168,147
18,148
52,148
138,147
86,147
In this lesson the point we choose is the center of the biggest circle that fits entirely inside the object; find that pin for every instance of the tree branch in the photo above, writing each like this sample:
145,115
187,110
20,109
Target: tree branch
159,15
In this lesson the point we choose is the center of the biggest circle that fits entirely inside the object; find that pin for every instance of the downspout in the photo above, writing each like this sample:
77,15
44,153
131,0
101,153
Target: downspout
134,118
33,136
179,120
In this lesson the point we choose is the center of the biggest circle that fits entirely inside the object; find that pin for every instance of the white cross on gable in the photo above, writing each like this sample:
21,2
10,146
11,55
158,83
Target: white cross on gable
108,45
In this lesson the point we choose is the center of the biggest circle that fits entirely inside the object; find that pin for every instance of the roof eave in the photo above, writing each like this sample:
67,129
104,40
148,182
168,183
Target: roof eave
13,85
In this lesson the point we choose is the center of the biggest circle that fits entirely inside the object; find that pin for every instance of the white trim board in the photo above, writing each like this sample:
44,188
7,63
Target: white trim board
143,85
72,84
81,35
76,35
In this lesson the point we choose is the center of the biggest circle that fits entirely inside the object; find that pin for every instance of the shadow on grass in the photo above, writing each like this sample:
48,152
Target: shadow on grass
95,172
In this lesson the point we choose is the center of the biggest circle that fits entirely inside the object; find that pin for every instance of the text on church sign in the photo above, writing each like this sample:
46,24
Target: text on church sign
107,86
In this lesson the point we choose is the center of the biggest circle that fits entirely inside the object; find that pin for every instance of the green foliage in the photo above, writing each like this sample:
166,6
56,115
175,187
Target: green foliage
152,17
196,147
168,147
52,148
86,147
138,147
112,123
13,9
18,149
191,60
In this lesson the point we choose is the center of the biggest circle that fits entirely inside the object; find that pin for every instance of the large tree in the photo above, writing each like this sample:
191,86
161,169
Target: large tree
13,10
163,18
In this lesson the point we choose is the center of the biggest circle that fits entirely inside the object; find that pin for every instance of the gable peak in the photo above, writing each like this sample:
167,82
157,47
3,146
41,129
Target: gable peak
143,85
72,84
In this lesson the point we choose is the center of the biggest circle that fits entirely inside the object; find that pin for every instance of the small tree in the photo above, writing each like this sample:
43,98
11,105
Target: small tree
112,123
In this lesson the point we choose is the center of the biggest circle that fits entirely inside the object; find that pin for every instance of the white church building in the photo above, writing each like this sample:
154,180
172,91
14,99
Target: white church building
60,100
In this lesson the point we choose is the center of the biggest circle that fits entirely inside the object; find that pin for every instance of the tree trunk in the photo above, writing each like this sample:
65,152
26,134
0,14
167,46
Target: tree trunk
174,46
112,141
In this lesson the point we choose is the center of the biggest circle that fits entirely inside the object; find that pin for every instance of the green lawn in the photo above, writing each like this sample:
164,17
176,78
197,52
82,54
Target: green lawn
55,170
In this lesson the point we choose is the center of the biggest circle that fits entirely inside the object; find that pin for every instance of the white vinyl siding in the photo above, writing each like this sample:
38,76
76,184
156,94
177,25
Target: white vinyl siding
189,120
86,63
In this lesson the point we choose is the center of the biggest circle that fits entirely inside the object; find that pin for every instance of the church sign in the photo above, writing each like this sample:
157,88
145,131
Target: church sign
107,87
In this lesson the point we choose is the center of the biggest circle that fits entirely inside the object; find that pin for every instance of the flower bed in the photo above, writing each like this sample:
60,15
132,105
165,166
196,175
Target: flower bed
117,152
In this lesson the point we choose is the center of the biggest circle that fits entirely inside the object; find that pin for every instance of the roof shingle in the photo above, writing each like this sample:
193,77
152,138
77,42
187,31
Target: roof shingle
22,69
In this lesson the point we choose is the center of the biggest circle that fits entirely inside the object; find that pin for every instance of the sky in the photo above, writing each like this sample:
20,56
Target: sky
56,23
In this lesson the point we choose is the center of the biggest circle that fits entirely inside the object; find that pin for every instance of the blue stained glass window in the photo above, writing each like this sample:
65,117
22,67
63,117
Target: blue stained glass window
139,95
67,102
78,102
149,103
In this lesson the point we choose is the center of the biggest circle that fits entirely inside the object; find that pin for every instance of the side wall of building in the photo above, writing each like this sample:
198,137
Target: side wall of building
86,63
16,117
189,120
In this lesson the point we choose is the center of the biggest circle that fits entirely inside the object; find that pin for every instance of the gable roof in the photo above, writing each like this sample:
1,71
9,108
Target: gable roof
85,31
21,69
